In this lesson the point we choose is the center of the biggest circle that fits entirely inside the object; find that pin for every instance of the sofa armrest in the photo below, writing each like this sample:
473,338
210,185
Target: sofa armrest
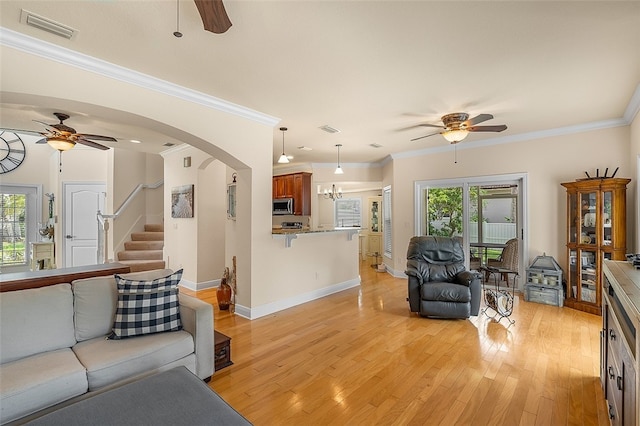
197,319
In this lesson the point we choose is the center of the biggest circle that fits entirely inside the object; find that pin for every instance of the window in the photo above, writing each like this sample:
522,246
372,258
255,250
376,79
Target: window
18,212
348,213
386,220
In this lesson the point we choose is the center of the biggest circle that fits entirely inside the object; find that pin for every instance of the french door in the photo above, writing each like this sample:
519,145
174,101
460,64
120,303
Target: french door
485,211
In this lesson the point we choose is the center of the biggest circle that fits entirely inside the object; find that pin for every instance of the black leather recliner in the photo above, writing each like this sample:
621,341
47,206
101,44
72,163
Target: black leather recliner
439,285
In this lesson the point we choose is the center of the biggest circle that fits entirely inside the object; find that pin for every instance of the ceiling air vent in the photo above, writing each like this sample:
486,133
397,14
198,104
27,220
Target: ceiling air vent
168,144
329,129
47,24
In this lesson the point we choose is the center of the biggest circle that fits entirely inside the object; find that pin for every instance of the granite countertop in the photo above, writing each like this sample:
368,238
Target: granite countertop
307,230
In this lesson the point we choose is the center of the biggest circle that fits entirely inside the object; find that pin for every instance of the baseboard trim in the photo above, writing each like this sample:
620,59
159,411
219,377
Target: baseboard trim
271,308
199,286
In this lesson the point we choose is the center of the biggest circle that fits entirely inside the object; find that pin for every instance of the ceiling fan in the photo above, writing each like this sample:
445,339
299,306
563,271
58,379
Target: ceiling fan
214,16
62,137
458,125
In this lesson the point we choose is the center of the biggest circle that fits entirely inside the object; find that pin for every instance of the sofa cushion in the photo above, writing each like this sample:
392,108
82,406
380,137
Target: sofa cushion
35,320
147,307
109,361
39,381
95,302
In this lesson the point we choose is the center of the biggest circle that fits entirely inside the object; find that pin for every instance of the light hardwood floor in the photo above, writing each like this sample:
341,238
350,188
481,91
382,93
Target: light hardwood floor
360,357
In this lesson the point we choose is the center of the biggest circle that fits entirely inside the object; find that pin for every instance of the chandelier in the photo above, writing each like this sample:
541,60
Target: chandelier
333,194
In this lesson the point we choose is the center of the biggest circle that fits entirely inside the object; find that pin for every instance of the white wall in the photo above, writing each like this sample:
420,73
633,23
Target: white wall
633,210
547,162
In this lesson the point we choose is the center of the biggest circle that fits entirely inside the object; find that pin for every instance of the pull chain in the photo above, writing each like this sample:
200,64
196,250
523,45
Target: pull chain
177,32
60,159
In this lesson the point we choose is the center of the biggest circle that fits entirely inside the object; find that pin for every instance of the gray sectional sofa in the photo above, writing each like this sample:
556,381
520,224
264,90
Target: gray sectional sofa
53,345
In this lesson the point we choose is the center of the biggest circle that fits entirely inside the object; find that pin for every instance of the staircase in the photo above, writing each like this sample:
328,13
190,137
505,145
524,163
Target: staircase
144,251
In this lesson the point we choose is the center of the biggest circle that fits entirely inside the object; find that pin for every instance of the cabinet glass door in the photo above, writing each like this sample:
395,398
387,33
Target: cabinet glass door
588,277
589,215
375,216
607,235
575,218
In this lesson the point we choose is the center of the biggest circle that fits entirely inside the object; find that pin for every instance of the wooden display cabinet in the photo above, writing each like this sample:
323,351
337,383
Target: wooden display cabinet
596,230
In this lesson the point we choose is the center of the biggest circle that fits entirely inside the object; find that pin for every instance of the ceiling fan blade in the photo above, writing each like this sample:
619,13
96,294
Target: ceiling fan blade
214,16
497,128
96,137
477,119
426,136
28,132
92,144
421,125
47,126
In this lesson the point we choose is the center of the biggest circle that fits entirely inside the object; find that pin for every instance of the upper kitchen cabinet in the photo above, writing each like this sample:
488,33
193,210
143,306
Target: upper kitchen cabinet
296,186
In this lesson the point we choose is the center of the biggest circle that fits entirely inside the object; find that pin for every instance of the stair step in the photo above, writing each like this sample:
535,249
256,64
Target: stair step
140,255
143,245
147,236
154,227
143,265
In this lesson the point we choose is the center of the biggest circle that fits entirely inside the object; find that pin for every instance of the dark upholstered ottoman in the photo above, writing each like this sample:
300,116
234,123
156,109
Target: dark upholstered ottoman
174,397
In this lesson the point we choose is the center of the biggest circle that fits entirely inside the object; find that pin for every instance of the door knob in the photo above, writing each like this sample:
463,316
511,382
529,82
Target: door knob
68,237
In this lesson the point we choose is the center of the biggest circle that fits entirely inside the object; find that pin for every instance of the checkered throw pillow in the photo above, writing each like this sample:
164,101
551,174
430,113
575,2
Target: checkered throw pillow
146,307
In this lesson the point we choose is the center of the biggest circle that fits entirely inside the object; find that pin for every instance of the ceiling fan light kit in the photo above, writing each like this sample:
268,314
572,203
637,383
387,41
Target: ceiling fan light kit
283,158
60,143
455,136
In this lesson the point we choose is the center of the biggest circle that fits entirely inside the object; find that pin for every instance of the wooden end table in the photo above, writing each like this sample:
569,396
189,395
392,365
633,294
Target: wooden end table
222,350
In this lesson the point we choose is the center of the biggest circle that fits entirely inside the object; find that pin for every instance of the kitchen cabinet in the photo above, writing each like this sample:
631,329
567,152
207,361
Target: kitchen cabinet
296,186
596,230
618,341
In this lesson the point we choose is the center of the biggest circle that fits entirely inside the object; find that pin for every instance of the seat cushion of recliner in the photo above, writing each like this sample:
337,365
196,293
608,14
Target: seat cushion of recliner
446,292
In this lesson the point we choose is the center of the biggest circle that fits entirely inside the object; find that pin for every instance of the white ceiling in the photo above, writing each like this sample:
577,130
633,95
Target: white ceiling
368,68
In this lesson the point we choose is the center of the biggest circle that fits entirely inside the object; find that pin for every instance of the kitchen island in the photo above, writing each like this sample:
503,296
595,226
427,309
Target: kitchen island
320,262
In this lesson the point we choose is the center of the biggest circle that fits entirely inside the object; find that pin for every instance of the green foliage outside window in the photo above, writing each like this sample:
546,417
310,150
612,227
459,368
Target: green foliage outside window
12,229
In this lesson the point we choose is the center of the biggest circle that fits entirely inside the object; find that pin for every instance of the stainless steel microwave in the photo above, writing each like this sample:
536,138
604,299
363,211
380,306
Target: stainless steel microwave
282,206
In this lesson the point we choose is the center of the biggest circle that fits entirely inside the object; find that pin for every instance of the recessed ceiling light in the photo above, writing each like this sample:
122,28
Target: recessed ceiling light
135,141
305,148
375,145
329,129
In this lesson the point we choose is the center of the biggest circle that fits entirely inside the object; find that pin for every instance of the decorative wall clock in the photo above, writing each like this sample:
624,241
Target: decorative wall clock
12,151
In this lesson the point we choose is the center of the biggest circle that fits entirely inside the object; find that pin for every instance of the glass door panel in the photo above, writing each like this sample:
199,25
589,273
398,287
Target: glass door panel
444,212
588,278
607,235
574,222
589,216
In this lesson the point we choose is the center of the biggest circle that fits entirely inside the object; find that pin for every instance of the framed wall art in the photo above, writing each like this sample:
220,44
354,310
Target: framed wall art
182,201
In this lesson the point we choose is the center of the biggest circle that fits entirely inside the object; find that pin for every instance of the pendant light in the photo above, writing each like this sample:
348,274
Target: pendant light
283,158
339,170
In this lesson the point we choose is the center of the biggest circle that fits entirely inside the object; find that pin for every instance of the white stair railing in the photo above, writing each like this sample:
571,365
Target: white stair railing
103,220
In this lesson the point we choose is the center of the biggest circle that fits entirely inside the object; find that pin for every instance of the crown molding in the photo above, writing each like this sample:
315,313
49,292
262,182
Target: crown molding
43,49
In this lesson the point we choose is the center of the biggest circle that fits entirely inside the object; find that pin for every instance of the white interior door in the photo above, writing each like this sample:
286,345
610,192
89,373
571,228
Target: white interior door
81,204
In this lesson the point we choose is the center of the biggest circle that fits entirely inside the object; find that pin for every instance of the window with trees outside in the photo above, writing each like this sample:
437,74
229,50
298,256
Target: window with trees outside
348,213
17,223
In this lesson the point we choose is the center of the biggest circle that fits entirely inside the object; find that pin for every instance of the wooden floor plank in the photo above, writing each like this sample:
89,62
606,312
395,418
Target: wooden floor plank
359,357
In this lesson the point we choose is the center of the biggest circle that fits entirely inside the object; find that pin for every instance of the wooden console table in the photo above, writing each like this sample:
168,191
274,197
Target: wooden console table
45,277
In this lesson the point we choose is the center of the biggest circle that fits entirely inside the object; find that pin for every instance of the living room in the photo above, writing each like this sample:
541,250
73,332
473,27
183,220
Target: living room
605,133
